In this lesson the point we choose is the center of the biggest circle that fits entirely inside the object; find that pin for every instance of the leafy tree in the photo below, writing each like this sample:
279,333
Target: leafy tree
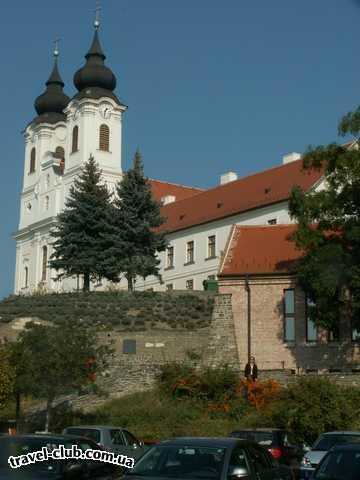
6,376
329,272
80,234
136,240
61,359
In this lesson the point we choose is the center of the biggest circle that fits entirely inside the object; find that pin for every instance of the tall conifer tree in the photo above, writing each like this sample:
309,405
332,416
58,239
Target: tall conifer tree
80,236
136,240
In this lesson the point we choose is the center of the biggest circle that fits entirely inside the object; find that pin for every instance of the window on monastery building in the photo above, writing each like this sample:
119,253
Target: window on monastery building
104,138
169,287
44,263
289,315
26,277
47,202
32,160
311,330
355,335
272,221
190,252
211,253
190,284
334,334
75,139
129,347
169,257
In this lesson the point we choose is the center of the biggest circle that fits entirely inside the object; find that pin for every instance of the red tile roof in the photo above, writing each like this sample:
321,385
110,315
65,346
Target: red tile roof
260,250
161,189
258,190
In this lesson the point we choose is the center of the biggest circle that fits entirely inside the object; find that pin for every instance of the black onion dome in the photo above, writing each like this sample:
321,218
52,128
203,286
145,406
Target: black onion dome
95,73
53,100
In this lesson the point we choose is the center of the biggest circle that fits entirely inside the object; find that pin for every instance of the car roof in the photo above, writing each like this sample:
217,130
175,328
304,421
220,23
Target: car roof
45,436
203,441
344,432
347,446
95,427
266,429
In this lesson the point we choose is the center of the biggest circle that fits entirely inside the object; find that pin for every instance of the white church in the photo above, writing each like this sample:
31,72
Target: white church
63,135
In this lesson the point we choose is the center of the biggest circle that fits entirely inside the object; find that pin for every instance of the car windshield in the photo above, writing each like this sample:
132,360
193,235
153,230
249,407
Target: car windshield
181,461
91,433
262,438
15,447
340,465
326,442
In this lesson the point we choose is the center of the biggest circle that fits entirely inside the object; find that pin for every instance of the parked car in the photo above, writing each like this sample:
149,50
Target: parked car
208,459
341,463
113,439
323,444
16,445
280,443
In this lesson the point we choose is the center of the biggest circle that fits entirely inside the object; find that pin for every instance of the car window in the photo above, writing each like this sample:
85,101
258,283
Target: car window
238,459
326,442
181,461
130,439
342,465
117,437
91,433
263,438
259,459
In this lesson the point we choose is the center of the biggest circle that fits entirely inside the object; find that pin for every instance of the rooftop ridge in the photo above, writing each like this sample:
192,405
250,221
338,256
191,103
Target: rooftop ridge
177,185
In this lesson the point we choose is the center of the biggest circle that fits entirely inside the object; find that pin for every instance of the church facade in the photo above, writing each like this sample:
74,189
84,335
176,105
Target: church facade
63,135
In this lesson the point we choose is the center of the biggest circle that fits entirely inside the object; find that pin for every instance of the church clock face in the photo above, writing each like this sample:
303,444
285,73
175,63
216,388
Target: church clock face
105,111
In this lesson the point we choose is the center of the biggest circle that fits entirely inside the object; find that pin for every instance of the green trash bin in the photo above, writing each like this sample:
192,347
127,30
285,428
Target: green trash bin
211,285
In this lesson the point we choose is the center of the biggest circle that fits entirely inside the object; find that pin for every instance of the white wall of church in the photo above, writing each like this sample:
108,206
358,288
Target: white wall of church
46,188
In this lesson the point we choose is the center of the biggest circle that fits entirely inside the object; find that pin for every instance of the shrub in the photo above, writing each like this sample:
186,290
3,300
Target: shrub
311,406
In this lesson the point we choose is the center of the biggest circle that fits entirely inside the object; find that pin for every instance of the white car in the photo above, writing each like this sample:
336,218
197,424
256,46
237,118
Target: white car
323,444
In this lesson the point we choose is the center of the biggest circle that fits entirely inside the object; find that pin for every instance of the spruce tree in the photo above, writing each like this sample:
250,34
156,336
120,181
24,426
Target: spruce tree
136,239
80,245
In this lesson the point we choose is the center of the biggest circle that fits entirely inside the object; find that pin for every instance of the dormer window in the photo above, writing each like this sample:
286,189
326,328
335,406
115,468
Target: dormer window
32,160
104,138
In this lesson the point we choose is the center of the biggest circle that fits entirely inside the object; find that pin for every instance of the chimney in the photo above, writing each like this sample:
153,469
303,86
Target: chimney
168,199
291,157
228,177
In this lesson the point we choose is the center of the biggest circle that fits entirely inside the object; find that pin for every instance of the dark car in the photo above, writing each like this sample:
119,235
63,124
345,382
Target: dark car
207,459
279,442
113,439
341,463
17,445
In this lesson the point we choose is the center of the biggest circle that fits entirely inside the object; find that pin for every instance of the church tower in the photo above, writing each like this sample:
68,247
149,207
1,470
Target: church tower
94,114
58,141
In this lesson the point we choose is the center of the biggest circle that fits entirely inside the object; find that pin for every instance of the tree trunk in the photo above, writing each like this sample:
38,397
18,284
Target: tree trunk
130,281
48,414
18,410
86,287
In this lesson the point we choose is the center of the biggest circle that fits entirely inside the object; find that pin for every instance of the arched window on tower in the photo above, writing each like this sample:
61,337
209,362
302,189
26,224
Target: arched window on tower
104,138
75,139
44,263
26,277
32,160
60,153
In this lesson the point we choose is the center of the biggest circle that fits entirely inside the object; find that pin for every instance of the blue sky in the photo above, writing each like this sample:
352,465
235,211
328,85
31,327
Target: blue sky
211,85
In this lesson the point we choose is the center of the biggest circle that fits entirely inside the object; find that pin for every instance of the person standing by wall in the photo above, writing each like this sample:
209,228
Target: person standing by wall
251,370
